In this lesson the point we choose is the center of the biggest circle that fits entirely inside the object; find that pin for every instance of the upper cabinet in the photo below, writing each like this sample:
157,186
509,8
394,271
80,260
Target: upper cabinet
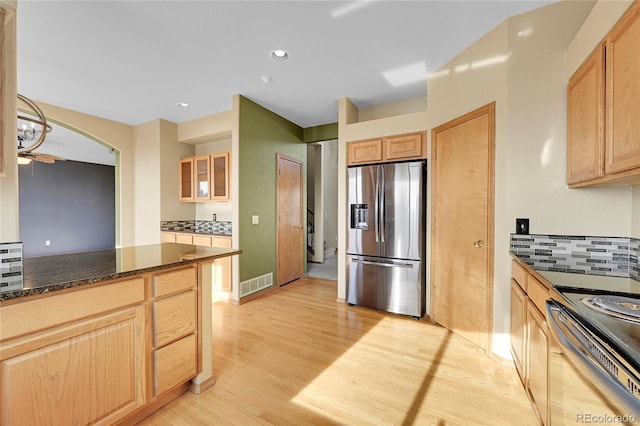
205,178
623,94
603,100
220,176
393,148
186,179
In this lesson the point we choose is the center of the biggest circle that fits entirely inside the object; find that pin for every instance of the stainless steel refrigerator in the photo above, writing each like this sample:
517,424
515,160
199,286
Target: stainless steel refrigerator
386,245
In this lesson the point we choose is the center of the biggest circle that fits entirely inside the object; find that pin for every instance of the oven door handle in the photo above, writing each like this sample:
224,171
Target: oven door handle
557,319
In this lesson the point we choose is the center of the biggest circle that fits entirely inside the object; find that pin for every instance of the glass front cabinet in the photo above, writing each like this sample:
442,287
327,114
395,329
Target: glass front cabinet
205,178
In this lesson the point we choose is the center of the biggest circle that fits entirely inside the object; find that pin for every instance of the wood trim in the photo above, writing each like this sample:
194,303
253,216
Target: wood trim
201,387
490,110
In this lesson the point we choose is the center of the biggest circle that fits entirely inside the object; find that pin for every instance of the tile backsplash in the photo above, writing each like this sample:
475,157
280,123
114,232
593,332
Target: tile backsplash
204,226
613,256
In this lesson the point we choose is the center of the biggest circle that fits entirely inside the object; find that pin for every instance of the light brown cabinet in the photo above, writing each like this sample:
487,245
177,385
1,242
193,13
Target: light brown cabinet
186,179
222,268
518,328
538,363
530,343
585,120
393,148
220,176
174,321
202,178
205,178
81,363
603,106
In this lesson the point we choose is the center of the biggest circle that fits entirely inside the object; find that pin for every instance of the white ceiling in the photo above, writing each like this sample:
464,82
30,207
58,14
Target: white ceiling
132,61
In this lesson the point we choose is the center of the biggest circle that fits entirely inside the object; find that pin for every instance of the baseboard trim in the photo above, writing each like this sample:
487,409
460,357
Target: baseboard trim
201,387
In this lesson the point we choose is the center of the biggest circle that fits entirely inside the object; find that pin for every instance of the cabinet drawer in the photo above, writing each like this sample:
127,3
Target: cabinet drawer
175,364
221,242
538,293
519,274
202,240
168,237
174,317
174,281
184,238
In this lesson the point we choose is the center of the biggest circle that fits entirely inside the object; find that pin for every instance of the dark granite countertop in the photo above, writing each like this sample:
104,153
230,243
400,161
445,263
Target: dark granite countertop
51,273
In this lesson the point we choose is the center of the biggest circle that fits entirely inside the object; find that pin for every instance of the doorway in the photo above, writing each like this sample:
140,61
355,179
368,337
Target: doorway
290,248
462,205
322,209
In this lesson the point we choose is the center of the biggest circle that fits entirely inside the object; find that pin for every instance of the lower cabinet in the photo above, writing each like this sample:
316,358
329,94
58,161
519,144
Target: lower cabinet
101,354
222,267
518,328
84,372
530,343
538,363
175,308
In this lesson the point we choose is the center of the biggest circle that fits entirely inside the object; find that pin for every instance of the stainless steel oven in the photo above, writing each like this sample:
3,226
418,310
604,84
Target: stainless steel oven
594,368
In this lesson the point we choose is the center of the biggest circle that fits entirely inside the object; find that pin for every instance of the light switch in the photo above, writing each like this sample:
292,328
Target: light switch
255,219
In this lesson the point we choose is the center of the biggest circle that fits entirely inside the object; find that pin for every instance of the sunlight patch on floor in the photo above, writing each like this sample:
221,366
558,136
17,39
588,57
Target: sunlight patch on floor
348,390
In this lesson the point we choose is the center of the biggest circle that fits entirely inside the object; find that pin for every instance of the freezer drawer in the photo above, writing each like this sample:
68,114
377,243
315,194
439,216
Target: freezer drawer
396,286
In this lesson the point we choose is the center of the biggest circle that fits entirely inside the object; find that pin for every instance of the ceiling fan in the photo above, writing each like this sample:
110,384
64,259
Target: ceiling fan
33,131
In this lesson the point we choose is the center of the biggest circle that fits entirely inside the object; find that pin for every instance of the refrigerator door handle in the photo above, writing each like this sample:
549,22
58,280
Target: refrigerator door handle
386,265
377,207
382,202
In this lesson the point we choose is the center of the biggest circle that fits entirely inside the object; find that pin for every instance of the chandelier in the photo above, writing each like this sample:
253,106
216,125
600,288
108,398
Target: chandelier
32,131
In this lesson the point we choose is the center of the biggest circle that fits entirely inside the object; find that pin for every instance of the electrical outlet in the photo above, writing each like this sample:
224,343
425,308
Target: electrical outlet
214,217
522,226
255,219
47,243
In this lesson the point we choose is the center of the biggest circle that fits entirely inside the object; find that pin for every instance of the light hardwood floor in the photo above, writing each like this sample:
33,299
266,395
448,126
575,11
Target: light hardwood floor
297,357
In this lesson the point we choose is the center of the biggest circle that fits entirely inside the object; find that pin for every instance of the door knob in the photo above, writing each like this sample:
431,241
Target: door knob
300,227
478,244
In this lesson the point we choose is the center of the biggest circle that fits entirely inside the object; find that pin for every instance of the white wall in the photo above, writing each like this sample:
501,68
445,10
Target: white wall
330,184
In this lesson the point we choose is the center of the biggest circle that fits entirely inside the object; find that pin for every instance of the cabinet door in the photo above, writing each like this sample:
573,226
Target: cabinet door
585,120
186,179
518,328
623,93
222,267
220,172
81,374
404,147
364,152
202,178
538,363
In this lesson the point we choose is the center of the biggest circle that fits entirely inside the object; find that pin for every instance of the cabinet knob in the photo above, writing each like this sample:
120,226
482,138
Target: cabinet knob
478,244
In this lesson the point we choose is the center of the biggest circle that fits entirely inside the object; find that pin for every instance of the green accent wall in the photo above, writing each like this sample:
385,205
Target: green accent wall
324,132
262,135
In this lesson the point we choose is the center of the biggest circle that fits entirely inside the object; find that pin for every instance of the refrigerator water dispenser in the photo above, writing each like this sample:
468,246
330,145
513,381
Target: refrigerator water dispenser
359,216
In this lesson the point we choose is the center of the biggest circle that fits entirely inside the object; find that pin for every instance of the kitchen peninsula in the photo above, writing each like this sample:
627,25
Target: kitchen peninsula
106,336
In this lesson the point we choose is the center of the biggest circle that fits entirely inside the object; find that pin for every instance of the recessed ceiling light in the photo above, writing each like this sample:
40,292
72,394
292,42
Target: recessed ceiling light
183,105
279,55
